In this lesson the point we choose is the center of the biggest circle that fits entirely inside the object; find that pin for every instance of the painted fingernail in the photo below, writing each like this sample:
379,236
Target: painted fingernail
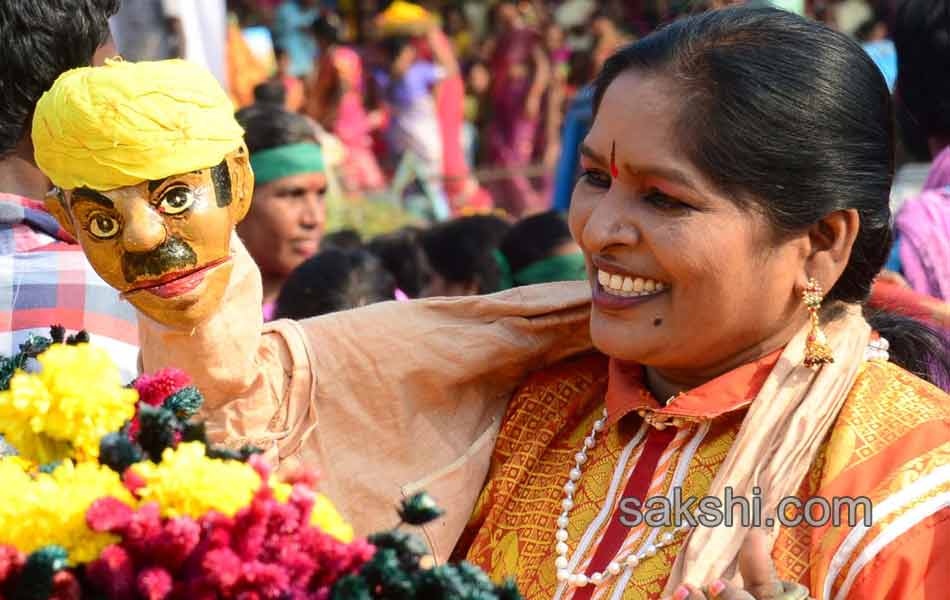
716,587
682,593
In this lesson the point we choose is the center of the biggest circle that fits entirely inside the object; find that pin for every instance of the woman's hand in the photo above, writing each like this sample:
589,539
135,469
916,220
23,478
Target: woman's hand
760,580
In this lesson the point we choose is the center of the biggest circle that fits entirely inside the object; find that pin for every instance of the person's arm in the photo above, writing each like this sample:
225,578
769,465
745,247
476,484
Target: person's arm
442,52
540,81
554,116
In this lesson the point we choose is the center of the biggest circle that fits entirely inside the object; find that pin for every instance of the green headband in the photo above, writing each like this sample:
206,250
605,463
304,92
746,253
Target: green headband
285,161
565,267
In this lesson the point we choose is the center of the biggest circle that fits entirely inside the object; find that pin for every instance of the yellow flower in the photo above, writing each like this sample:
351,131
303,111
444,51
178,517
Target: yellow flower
63,411
45,509
326,517
188,483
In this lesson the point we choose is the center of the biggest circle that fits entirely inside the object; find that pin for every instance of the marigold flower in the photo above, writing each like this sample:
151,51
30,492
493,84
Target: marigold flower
188,483
326,517
50,509
64,410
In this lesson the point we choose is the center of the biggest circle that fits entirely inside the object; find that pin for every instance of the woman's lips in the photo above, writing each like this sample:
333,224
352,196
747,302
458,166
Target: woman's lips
605,300
305,247
178,283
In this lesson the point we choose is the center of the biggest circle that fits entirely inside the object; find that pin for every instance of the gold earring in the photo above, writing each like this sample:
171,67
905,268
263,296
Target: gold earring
817,350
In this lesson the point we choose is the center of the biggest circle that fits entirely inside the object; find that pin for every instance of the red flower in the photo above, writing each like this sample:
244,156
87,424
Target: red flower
66,587
178,538
154,583
108,514
153,389
11,561
222,567
113,573
133,481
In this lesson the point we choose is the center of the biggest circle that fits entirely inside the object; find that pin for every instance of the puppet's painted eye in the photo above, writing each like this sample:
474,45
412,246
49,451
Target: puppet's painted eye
176,201
103,226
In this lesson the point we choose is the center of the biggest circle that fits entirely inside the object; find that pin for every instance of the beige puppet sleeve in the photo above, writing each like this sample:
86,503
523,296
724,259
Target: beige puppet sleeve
383,400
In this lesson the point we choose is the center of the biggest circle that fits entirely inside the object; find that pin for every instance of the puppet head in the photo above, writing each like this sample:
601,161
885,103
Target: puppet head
151,177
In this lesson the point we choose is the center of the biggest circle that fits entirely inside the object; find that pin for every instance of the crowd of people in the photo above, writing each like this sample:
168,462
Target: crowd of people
739,219
468,98
467,109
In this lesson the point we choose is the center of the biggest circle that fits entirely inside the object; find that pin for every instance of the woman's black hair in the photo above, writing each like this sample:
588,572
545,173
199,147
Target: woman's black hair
271,93
402,255
922,41
534,238
334,280
393,45
461,250
792,119
327,28
269,126
342,239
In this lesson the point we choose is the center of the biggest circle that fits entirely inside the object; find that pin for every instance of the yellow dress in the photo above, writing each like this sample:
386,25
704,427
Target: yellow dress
890,443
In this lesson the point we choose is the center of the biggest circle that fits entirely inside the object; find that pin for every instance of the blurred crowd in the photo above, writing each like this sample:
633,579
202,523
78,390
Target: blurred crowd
468,115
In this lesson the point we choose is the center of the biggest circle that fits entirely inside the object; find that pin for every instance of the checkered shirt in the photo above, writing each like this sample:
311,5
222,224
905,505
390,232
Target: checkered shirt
45,279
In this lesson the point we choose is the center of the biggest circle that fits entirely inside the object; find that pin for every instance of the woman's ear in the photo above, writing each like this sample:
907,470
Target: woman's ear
242,183
830,243
56,205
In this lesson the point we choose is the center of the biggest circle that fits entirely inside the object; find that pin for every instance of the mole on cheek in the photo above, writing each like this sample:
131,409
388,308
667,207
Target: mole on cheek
657,322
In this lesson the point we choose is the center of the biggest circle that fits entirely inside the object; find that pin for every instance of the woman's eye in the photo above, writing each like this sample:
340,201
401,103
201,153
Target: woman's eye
597,178
176,201
661,201
103,226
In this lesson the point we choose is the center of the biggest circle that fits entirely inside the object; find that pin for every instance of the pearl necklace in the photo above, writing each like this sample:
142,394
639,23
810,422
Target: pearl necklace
619,563
876,350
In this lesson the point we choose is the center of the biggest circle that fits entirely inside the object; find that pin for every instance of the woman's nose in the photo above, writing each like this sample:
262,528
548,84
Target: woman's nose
612,221
313,214
144,229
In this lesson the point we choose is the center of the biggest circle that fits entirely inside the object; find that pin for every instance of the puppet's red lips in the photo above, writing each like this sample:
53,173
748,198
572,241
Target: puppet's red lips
178,282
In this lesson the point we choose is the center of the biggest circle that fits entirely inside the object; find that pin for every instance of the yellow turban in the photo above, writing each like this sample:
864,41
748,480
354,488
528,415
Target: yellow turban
403,18
124,123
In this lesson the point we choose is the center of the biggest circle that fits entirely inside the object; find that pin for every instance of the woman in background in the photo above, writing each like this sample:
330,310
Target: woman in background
288,213
335,101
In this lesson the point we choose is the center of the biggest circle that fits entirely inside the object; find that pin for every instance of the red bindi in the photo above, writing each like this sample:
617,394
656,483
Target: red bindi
614,172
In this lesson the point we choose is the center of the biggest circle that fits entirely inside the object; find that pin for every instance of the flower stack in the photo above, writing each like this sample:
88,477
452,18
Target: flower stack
115,493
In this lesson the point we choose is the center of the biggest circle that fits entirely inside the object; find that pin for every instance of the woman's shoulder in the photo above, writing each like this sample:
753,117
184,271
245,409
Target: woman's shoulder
886,390
889,452
893,424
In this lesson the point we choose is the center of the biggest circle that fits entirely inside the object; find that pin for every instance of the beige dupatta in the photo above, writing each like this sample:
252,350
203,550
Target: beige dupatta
777,443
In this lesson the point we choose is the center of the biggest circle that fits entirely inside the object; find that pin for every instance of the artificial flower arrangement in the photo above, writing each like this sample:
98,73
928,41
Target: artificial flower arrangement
115,493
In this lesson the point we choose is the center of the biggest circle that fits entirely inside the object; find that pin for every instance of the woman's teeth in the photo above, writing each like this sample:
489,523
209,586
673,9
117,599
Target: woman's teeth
619,285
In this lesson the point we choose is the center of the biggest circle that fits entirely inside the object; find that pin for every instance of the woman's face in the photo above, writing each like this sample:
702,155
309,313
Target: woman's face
683,280
285,222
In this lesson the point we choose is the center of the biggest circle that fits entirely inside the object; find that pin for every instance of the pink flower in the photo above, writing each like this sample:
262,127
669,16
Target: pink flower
133,481
153,389
177,539
222,567
65,586
108,514
154,583
113,573
11,561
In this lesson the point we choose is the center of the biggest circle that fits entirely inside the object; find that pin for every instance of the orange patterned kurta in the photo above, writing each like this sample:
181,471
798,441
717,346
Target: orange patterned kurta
891,443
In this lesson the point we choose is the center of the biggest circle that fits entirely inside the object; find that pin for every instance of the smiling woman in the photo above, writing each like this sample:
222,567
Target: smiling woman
738,166
739,163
